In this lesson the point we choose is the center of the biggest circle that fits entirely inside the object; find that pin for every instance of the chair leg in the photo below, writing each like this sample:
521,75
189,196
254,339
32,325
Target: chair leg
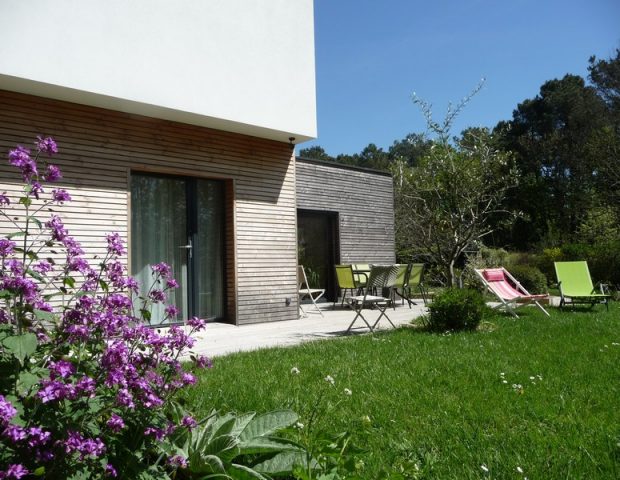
383,314
359,315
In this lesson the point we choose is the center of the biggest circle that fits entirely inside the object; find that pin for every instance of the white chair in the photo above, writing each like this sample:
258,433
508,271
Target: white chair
306,292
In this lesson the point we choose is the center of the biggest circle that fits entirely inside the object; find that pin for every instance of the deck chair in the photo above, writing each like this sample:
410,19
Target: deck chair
508,290
576,286
402,275
306,292
414,282
346,281
380,277
361,272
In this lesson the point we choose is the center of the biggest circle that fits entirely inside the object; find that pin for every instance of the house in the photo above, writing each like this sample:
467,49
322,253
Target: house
176,123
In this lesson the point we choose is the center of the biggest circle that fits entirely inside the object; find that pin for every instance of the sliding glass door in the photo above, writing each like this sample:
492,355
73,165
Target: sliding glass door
180,221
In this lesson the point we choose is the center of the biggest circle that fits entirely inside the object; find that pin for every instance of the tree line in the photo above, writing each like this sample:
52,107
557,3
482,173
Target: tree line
556,163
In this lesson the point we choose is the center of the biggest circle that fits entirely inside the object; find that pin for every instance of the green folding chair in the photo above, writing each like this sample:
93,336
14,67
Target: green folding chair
346,281
414,281
402,275
576,286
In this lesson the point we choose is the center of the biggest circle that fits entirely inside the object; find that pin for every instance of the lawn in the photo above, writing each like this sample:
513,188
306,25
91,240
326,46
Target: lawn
536,397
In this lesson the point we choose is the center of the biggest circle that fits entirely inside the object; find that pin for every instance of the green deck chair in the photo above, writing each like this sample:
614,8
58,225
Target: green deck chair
576,286
400,283
415,282
361,273
346,281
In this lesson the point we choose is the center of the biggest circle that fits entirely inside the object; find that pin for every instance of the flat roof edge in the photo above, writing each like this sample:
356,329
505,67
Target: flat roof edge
343,166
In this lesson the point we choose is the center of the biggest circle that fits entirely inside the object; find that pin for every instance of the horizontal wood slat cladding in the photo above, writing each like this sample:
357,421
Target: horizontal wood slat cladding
364,201
98,150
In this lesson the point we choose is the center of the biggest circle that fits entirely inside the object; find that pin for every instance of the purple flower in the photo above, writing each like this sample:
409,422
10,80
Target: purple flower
163,269
58,229
15,433
188,378
53,173
196,323
37,437
47,145
177,461
86,447
86,385
124,398
115,423
157,433
52,390
6,247
110,471
20,158
202,362
115,244
157,296
189,422
78,264
172,283
171,311
15,470
42,267
72,245
60,195
61,369
36,189
4,200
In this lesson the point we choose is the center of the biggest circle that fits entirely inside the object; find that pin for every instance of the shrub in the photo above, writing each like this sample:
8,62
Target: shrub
532,279
456,309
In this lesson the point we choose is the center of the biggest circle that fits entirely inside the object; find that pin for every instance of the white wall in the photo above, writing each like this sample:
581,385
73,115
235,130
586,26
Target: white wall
240,65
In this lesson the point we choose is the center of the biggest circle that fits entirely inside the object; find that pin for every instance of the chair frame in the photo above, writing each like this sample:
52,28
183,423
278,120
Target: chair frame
509,305
358,287
381,276
307,291
593,299
408,288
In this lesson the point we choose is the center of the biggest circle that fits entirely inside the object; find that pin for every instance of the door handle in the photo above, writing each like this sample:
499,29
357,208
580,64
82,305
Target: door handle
188,247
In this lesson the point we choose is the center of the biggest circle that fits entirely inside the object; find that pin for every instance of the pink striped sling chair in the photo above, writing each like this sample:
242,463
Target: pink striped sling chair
508,290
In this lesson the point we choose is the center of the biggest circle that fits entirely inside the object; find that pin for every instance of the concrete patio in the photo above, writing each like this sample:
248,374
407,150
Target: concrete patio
221,339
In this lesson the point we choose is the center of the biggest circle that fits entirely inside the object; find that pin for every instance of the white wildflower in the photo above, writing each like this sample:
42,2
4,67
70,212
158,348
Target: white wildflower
295,371
484,468
348,392
519,469
504,381
329,379
299,425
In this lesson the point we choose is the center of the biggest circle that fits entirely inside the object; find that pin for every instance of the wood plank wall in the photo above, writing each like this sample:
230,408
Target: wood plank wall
364,201
98,150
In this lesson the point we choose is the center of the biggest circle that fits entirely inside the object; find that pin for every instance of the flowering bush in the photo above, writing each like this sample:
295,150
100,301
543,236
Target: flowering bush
84,381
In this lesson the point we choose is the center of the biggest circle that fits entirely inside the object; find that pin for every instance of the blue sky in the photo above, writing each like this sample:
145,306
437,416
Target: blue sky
371,55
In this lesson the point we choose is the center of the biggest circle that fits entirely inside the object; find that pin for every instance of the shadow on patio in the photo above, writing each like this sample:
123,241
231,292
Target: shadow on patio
221,339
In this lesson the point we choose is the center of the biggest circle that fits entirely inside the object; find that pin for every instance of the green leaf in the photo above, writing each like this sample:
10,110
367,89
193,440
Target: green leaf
25,201
21,346
25,382
6,294
37,276
15,235
269,423
69,282
104,286
146,315
268,444
284,463
43,315
32,255
36,221
241,472
39,472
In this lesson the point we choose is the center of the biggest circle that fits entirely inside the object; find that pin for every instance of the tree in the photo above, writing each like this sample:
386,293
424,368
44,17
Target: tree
410,149
317,152
445,205
550,135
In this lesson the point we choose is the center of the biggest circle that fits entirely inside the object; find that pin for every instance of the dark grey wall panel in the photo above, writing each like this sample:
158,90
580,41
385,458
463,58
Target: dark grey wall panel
364,201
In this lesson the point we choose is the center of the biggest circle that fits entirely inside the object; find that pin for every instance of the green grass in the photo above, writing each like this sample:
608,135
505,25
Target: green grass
439,401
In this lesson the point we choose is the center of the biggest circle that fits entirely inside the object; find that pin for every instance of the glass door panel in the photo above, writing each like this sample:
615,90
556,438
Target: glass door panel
209,243
159,234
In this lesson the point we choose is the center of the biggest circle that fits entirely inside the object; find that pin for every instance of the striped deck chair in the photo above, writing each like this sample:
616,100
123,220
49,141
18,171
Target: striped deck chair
508,290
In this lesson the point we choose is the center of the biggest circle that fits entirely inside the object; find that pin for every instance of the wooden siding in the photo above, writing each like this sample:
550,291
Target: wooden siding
364,201
98,150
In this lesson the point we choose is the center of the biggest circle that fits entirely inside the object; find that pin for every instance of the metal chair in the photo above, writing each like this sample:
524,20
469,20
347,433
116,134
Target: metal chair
381,276
347,281
305,291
